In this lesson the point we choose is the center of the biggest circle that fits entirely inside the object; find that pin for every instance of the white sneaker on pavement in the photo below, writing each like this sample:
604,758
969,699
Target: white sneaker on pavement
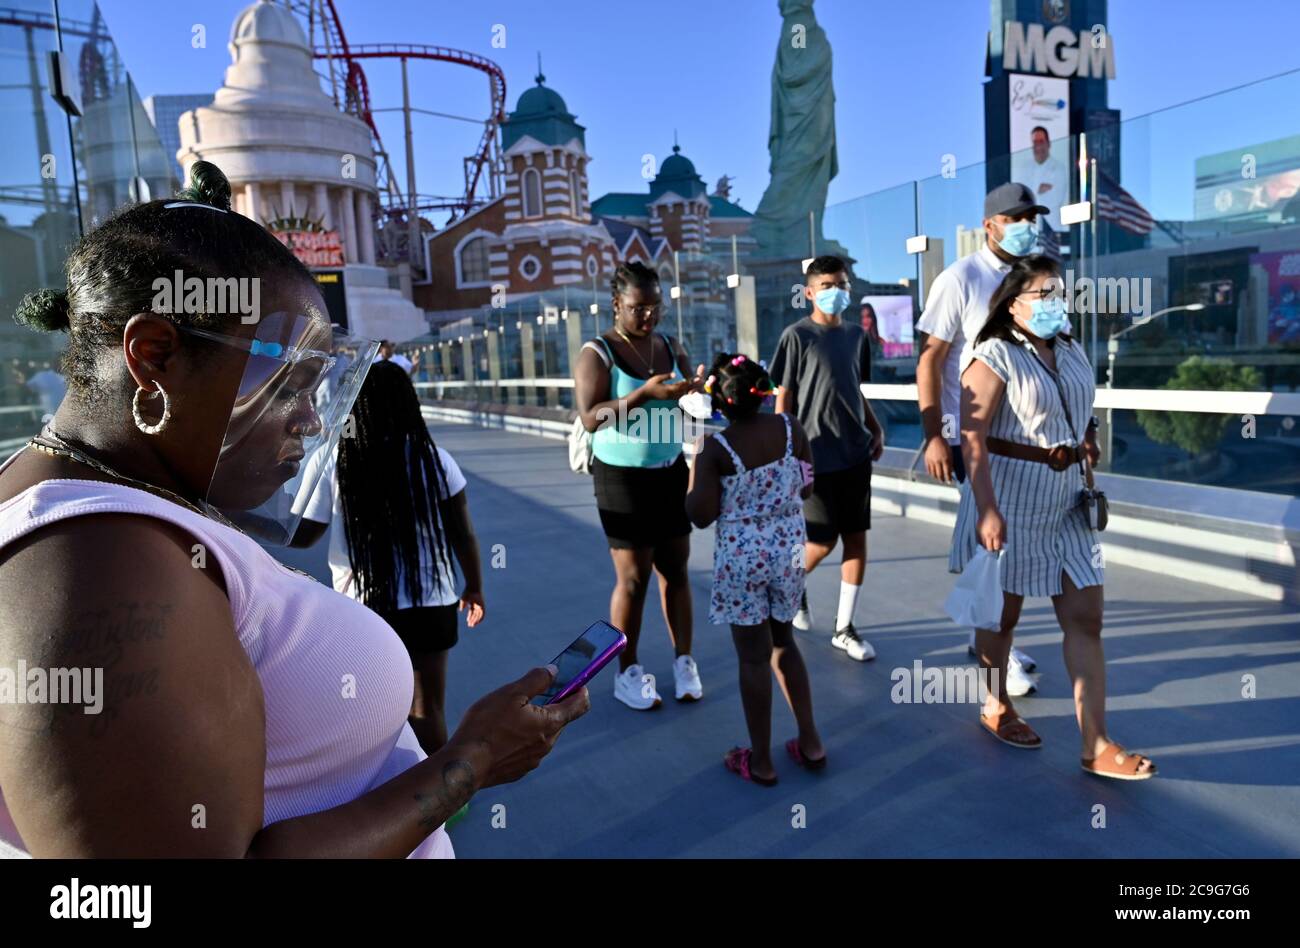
636,689
803,618
858,649
686,679
1018,683
1026,663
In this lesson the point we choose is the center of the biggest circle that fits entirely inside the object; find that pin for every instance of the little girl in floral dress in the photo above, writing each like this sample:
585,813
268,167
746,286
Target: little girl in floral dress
751,480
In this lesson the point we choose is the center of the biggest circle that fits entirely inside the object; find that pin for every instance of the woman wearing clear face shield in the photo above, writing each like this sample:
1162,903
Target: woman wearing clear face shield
247,709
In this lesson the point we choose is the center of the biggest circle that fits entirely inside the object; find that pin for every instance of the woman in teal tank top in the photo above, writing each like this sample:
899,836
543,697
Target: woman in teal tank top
626,386
653,445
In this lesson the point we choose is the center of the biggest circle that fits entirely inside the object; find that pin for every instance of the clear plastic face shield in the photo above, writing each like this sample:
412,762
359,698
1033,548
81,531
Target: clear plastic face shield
299,379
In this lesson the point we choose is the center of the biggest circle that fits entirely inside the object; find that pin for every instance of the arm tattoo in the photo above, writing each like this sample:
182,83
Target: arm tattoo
454,792
97,639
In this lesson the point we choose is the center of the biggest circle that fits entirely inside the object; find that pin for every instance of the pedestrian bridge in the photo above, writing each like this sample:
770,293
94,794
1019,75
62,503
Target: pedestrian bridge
904,779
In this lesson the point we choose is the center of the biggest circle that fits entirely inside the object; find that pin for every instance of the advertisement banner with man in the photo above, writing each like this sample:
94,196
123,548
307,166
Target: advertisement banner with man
1040,131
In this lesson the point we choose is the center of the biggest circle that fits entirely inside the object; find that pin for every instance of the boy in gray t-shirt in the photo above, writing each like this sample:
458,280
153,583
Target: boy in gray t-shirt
819,364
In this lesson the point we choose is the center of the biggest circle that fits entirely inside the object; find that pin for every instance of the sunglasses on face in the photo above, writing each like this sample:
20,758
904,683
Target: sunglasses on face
1042,293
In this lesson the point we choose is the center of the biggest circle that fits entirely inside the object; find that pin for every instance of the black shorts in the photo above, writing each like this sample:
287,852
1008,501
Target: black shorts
641,507
425,629
840,504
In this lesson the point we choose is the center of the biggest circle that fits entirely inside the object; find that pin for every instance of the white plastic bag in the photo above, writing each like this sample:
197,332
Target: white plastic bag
976,599
580,448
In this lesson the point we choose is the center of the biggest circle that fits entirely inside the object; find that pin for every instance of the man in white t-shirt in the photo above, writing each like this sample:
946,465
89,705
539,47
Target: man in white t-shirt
955,311
49,387
388,352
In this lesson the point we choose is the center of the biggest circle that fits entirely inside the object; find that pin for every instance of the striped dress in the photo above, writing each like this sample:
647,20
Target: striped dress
1047,528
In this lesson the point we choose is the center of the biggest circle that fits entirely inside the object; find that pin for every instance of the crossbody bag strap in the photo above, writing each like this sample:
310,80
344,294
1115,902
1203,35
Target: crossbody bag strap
1084,467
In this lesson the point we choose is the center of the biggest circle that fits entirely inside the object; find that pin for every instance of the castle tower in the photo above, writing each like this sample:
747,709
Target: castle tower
679,204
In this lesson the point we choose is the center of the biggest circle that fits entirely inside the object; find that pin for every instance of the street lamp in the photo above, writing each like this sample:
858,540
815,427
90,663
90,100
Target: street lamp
1112,345
1112,350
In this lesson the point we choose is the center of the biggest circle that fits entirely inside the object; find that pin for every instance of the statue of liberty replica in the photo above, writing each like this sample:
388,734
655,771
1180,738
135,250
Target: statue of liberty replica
801,141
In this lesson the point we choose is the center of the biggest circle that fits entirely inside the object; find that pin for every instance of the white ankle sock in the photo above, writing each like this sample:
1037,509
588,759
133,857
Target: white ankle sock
848,603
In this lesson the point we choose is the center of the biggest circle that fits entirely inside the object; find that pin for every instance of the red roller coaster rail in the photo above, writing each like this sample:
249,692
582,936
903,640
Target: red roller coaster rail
357,89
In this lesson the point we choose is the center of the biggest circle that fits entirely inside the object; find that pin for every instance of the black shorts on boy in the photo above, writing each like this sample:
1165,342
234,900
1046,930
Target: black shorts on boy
840,504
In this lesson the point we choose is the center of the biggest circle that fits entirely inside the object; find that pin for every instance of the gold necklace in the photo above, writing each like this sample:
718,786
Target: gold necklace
61,448
649,366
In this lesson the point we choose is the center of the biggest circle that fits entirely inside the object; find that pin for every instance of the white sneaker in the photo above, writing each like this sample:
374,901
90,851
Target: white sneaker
859,649
803,618
1018,683
686,678
1026,663
636,689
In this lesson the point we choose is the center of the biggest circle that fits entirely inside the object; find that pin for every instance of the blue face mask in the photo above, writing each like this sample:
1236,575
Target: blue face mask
1018,238
833,300
1047,317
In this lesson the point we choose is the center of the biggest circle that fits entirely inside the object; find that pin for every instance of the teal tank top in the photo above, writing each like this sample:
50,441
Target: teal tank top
651,435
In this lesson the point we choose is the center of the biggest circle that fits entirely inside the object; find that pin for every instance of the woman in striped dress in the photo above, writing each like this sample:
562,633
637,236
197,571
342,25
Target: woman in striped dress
1027,392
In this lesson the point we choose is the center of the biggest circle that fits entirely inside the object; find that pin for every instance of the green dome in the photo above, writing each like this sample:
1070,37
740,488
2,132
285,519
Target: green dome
678,166
542,114
677,174
539,102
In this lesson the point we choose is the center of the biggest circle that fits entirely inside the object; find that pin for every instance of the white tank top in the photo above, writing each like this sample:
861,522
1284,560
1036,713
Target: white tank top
306,642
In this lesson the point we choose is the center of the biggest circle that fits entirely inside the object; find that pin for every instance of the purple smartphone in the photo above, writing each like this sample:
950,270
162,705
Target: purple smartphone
579,663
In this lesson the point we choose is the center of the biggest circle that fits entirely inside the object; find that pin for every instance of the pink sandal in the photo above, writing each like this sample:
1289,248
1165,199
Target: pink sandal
797,755
737,761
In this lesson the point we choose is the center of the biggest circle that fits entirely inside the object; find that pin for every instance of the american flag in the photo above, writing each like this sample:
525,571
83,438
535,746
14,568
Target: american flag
1116,204
1048,243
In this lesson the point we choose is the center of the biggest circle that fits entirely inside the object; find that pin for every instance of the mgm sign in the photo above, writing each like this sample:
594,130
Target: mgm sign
1029,47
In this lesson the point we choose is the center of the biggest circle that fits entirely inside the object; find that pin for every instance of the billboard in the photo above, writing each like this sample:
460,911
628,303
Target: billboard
1274,193
1039,109
893,323
310,241
1283,271
1261,181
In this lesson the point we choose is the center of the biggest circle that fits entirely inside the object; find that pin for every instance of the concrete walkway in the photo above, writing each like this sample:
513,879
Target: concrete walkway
904,779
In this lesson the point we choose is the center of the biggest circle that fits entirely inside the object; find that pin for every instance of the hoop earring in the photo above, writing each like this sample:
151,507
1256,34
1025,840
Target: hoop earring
139,419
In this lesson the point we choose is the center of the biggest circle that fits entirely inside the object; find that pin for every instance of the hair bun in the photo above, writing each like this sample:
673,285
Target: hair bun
45,311
208,185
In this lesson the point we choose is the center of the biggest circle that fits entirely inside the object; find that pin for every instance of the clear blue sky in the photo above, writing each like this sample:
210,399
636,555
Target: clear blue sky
907,74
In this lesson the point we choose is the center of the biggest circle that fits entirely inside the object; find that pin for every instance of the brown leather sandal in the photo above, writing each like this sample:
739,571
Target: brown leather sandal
1117,764
1012,730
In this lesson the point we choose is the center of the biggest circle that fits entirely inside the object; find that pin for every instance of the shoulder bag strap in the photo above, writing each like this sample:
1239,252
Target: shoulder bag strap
1084,467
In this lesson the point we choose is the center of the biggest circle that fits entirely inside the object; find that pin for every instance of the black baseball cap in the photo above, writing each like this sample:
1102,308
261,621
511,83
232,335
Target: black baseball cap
1011,199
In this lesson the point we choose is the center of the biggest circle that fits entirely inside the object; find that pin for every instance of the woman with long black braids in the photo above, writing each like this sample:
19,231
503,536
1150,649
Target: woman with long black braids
234,689
400,512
